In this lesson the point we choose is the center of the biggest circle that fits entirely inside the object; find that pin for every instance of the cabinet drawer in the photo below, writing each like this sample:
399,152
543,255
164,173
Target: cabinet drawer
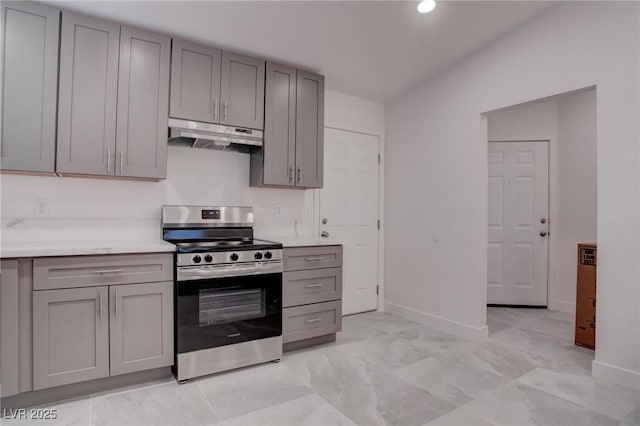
300,258
86,271
304,322
311,286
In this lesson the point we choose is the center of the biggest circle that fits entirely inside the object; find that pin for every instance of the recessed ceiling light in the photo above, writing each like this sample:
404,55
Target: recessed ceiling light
426,6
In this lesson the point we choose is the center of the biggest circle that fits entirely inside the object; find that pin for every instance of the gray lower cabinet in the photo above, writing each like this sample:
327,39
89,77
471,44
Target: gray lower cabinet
30,85
16,305
293,150
88,95
9,331
70,336
143,104
104,328
309,321
195,82
141,326
242,91
311,295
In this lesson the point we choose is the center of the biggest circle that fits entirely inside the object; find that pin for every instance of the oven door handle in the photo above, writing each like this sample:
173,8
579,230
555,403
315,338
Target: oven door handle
202,273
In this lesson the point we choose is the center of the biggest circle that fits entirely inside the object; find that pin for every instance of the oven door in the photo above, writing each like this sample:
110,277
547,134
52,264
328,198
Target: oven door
223,311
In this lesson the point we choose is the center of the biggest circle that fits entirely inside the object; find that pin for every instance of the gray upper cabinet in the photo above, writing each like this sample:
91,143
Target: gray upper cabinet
275,163
141,326
70,336
195,82
143,104
88,94
309,130
242,91
29,80
293,151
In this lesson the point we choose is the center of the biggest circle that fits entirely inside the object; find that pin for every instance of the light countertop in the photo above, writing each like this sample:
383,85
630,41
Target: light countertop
302,241
76,248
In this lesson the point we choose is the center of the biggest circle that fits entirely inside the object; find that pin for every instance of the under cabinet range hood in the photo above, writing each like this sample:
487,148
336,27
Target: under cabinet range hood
195,134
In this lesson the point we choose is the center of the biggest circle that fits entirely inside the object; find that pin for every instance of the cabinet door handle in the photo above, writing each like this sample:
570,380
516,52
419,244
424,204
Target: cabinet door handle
108,271
314,285
100,297
299,174
290,174
225,110
215,109
233,335
313,259
108,160
122,161
309,321
116,303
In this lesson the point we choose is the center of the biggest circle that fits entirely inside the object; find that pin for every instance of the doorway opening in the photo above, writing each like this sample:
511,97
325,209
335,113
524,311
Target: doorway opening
542,202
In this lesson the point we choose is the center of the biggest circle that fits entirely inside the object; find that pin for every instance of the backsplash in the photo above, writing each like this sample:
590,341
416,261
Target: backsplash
128,209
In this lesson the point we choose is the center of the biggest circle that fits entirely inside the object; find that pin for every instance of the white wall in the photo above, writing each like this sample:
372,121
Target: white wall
194,176
576,191
437,172
568,122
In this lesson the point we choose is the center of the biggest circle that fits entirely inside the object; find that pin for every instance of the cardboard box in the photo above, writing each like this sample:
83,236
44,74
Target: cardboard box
585,333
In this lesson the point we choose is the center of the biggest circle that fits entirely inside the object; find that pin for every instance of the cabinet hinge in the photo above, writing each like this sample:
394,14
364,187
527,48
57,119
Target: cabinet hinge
378,223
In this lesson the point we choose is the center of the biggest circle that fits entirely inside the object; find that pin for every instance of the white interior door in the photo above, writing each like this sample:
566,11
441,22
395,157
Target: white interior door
349,213
518,223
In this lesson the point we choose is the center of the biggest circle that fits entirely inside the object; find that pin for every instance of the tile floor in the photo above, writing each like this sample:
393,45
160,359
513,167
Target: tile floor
387,370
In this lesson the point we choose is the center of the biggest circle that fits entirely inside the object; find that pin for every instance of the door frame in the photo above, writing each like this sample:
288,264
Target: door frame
316,205
550,213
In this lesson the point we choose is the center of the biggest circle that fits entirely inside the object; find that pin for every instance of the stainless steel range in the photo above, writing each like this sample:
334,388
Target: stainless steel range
228,290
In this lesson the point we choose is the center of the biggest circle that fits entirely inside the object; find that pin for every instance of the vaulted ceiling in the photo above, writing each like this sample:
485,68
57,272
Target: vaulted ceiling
372,49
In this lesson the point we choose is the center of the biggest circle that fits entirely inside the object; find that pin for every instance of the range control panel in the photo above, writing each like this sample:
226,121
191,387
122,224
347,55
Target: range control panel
226,257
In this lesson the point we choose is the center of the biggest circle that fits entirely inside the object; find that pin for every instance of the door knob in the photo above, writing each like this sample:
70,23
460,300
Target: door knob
324,234
543,233
324,221
543,220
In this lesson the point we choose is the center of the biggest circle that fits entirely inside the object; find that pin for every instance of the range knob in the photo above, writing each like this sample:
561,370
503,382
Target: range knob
234,257
268,255
196,259
258,255
208,258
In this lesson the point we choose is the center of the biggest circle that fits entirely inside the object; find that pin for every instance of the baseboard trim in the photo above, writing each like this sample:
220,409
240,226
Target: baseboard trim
620,376
562,306
458,329
507,305
83,389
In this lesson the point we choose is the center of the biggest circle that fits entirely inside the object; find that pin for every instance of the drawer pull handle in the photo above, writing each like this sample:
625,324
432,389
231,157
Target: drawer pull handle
108,271
313,259
233,335
309,321
314,285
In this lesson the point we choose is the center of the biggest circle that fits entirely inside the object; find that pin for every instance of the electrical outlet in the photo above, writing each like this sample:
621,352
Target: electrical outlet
41,208
277,210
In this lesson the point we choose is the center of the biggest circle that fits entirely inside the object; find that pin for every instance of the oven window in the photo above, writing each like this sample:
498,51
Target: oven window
223,311
218,306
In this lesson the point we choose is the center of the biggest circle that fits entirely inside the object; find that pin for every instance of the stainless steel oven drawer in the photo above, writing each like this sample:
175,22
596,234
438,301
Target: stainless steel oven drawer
304,322
316,257
86,271
311,286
